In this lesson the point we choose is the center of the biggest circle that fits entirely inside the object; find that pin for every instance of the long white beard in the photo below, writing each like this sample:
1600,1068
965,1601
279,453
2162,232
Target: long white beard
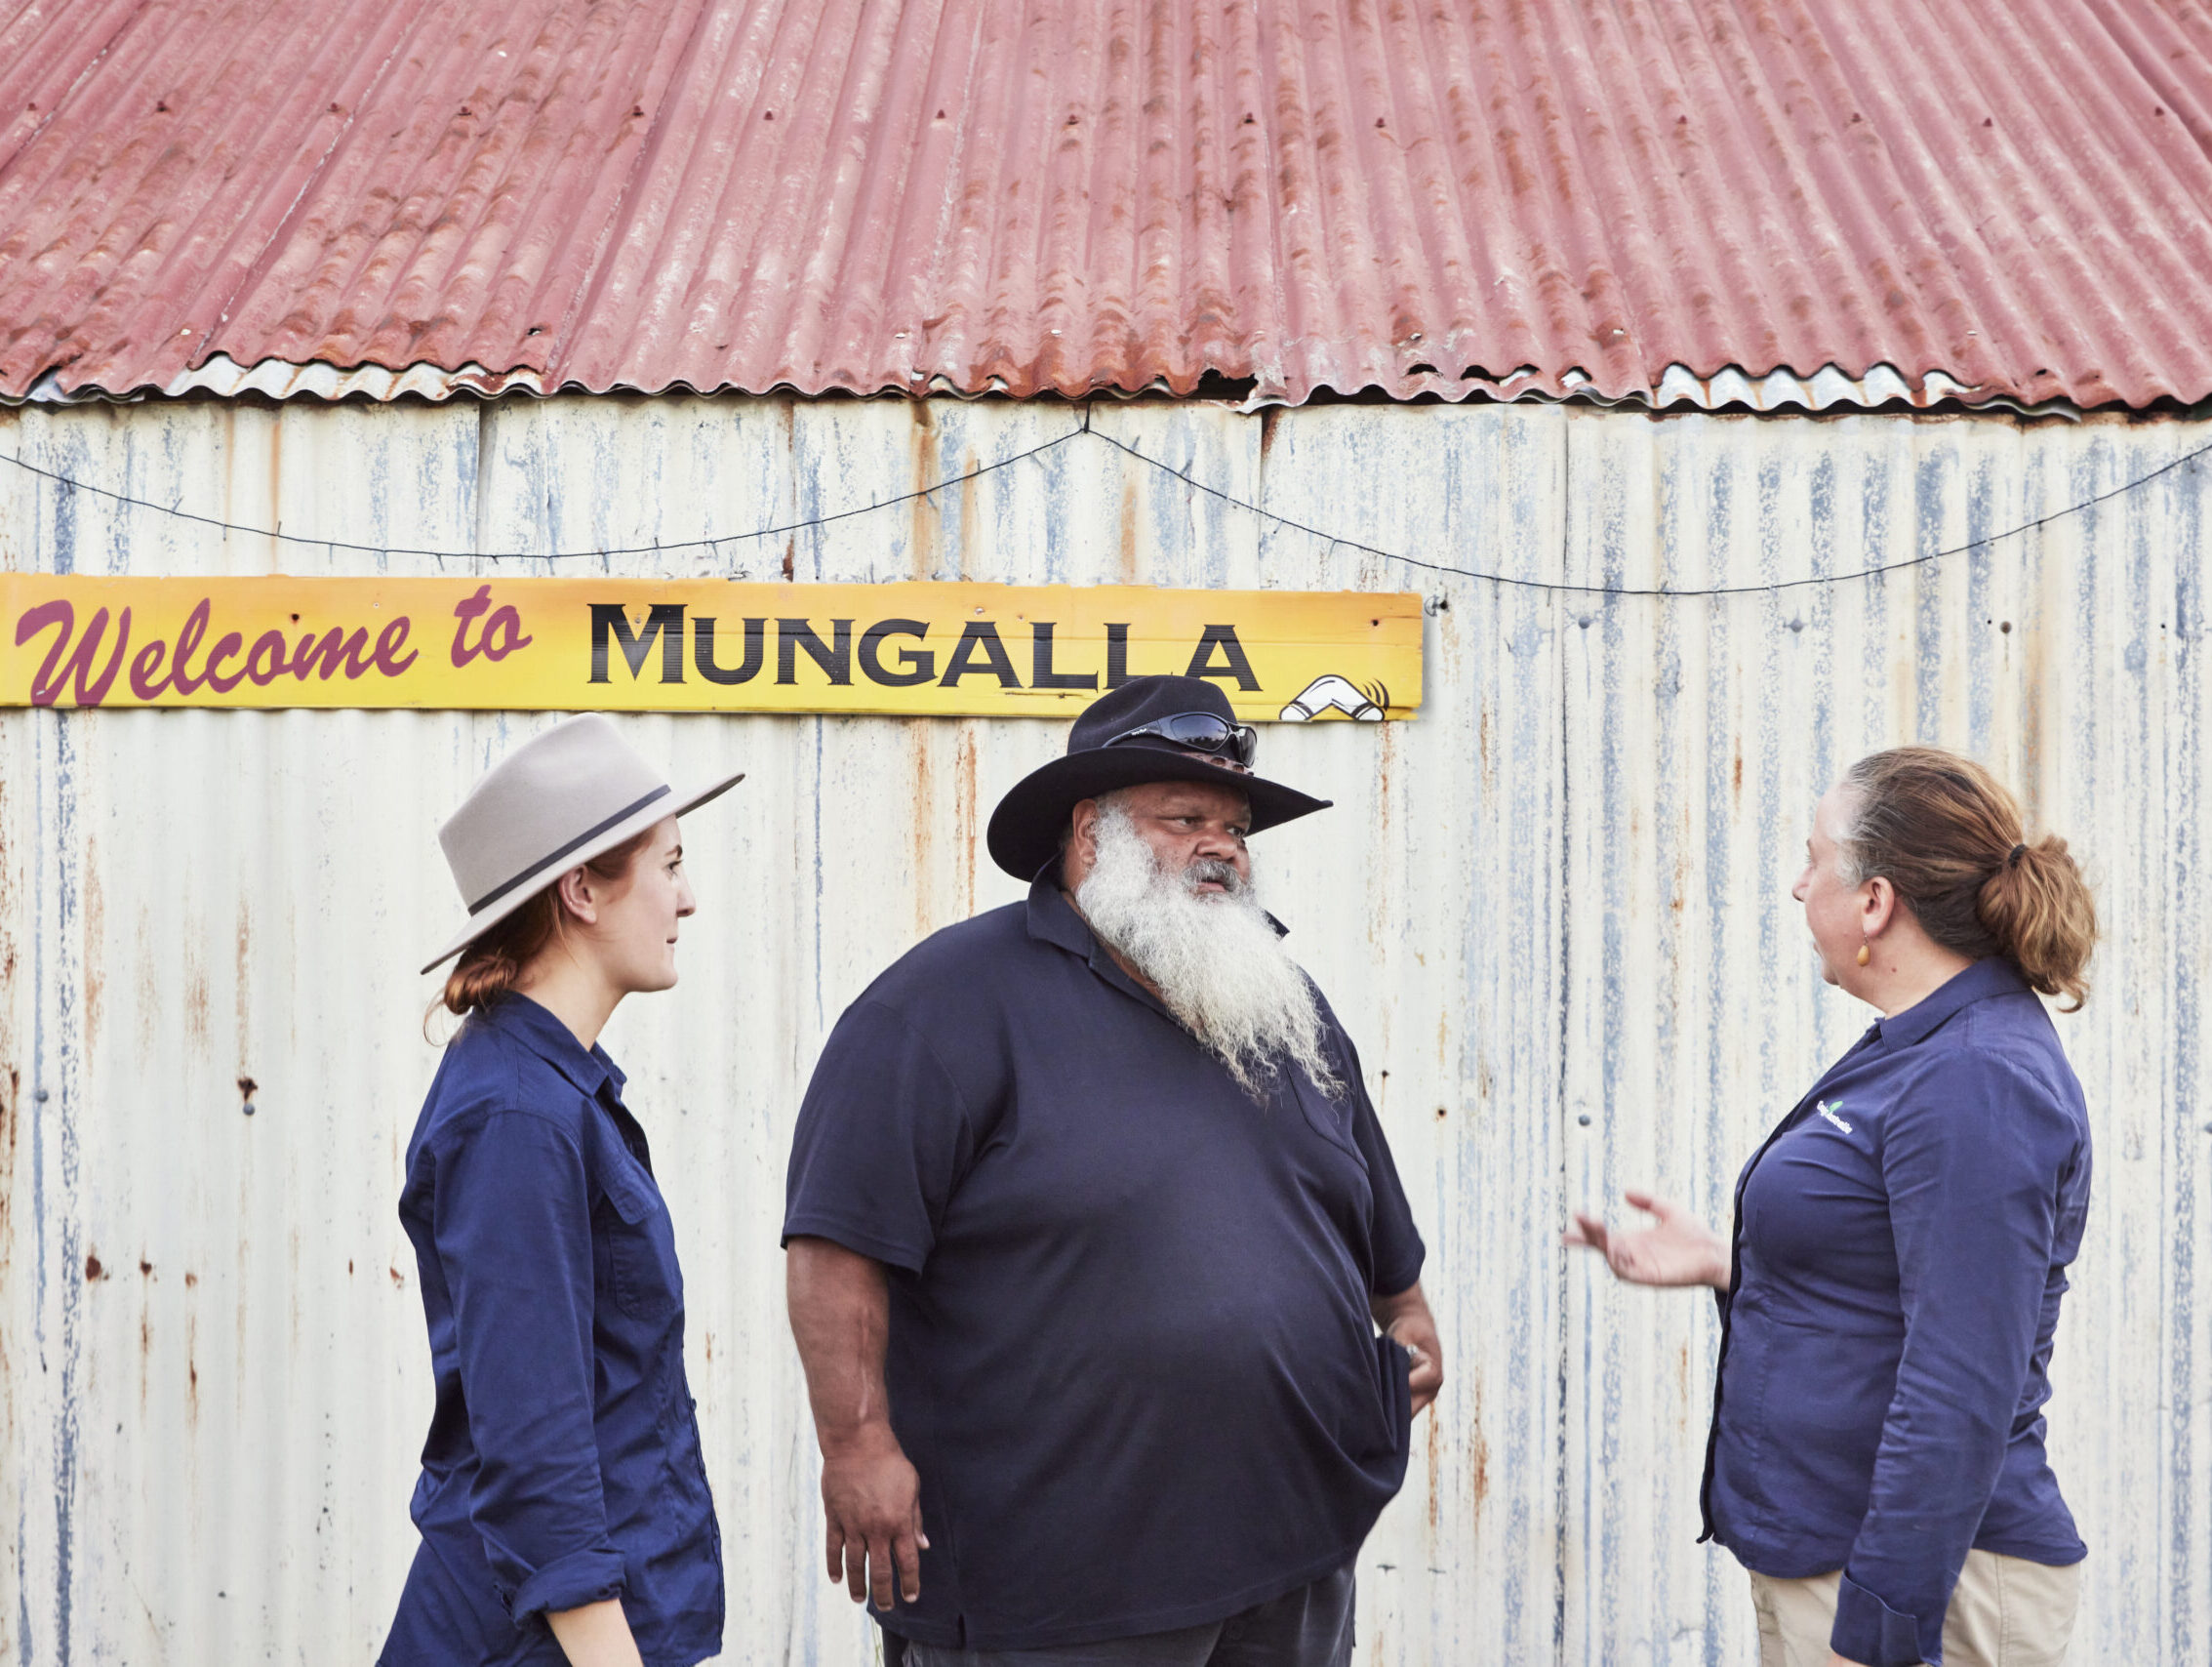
1215,957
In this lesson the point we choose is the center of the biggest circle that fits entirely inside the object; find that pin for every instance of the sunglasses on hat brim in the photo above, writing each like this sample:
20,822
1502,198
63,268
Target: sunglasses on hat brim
1201,732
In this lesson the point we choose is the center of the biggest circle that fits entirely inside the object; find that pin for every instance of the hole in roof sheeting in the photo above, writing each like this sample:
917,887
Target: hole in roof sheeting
1213,385
1424,369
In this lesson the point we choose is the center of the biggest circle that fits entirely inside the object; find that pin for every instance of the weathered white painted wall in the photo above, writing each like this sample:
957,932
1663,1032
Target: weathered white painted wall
1554,910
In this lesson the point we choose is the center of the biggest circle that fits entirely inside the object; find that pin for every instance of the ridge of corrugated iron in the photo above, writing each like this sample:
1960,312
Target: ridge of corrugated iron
1455,197
1776,392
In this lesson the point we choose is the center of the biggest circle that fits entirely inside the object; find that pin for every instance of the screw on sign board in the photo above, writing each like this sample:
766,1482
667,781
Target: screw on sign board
694,645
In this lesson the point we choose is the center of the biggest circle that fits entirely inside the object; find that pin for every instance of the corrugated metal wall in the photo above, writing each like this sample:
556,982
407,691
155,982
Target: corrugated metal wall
1554,910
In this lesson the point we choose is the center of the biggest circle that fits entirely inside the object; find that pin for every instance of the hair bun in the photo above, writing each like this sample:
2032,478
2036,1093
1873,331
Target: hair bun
1929,822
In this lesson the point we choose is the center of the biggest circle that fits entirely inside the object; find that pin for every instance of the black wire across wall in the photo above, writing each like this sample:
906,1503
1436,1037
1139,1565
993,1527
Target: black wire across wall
1085,431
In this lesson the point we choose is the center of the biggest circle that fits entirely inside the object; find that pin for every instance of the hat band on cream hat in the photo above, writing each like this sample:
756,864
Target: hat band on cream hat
555,802
575,844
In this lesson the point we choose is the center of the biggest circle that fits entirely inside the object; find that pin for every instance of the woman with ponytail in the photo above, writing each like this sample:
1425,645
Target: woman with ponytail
1891,1289
563,1503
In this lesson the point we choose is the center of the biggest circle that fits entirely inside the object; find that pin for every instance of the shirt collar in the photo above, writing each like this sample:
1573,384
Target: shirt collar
1993,975
1053,919
552,1042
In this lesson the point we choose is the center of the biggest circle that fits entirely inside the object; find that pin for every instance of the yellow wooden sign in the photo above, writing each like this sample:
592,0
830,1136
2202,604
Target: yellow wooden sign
694,645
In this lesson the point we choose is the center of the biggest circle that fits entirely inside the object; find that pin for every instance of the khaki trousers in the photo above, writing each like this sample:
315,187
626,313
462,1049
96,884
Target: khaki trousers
2005,1612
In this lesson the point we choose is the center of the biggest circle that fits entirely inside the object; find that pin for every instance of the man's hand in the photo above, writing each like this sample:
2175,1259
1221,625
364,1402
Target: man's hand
872,1500
1405,1318
841,1319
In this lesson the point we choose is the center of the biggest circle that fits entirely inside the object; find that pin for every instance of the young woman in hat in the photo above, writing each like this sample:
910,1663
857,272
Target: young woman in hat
1892,1287
563,1505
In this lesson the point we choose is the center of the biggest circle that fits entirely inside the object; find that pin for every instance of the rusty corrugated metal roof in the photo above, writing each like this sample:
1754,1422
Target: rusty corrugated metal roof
1993,200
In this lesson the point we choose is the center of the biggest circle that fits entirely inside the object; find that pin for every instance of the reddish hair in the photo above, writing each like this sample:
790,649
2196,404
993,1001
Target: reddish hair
1946,834
493,964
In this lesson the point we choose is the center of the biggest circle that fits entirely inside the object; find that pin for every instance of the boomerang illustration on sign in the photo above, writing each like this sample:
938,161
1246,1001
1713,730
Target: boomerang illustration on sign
1337,694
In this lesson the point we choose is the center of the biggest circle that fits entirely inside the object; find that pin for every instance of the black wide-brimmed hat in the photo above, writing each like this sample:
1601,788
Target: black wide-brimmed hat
1103,754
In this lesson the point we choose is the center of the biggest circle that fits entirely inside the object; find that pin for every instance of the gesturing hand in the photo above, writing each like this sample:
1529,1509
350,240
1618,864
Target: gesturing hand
874,1502
1681,1250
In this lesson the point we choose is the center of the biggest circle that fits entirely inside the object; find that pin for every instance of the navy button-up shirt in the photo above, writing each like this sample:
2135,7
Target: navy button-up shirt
1131,1352
1901,1246
563,1465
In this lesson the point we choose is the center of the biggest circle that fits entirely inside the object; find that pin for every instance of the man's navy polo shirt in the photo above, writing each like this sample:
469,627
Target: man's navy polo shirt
1131,1353
1902,1241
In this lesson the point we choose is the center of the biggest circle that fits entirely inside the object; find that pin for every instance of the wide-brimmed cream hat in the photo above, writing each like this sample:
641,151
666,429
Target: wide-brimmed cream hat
552,804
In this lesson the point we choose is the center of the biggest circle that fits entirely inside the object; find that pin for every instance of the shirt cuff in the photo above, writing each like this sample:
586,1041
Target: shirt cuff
1402,1275
858,1240
1869,1630
570,1582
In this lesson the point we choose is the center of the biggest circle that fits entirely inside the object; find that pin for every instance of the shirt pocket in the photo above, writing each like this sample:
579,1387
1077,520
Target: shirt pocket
1327,1116
1396,1361
642,1250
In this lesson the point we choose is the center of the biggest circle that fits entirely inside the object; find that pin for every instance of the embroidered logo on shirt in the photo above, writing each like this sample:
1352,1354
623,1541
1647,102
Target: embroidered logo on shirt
1829,1111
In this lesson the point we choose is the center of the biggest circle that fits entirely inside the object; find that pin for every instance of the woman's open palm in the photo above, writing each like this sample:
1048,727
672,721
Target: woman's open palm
1681,1250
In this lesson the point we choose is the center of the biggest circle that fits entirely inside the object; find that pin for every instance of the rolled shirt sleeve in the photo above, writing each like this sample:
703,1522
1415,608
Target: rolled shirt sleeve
512,1227
1970,1160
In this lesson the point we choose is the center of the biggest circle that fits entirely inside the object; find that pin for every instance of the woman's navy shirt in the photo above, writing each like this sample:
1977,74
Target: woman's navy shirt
1901,1246
563,1465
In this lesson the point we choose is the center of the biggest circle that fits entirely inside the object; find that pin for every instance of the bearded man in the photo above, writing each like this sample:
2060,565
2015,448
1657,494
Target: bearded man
1091,1227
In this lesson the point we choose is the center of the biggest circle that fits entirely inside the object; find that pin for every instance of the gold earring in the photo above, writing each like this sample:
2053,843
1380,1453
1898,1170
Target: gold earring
1866,953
